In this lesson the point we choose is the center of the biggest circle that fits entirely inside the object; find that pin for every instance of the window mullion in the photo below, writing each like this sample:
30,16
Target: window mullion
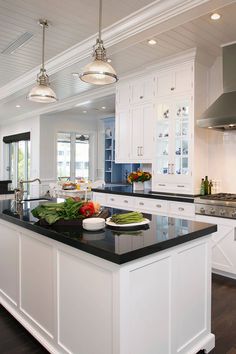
72,156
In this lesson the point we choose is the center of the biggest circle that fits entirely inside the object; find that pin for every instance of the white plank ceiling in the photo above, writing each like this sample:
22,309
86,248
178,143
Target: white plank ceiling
72,21
202,33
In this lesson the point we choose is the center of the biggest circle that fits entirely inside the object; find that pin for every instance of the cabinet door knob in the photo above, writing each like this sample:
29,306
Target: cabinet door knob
126,201
172,88
141,203
141,97
158,205
112,199
181,209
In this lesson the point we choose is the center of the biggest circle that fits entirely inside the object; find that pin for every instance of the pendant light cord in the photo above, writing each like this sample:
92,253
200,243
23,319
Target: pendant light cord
43,45
100,21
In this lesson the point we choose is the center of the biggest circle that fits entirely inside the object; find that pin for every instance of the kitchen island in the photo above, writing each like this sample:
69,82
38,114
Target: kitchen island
146,291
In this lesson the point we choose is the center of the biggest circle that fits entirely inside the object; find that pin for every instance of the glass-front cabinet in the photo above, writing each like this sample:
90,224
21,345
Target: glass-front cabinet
173,140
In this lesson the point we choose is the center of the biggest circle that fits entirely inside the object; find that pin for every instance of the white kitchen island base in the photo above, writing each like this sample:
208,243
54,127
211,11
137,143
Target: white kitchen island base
74,302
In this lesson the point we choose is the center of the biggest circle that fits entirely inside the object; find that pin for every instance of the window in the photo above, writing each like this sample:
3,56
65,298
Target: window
19,161
72,156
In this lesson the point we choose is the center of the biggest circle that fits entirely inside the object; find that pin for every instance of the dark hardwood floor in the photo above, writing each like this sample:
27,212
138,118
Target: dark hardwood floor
14,339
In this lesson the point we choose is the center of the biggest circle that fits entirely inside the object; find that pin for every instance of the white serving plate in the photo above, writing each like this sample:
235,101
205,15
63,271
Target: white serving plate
111,223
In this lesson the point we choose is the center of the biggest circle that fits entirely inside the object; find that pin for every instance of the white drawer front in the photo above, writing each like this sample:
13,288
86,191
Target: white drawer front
172,187
101,198
151,205
122,201
182,209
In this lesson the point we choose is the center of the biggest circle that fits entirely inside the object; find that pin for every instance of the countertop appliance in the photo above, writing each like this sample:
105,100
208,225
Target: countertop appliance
220,205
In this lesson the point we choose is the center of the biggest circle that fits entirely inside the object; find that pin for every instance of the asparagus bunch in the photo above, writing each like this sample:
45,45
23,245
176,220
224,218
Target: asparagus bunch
127,218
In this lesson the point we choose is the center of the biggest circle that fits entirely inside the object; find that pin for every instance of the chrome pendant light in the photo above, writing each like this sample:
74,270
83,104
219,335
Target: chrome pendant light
42,92
99,72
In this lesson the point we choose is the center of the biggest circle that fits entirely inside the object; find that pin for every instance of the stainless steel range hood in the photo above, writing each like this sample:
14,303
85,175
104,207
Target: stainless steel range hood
221,115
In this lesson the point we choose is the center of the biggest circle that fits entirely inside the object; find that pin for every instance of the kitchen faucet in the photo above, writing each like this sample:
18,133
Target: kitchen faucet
19,193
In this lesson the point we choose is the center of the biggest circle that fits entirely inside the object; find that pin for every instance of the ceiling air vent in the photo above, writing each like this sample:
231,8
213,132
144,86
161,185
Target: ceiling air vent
18,43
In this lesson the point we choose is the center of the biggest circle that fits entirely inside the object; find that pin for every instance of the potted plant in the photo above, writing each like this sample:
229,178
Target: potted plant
138,178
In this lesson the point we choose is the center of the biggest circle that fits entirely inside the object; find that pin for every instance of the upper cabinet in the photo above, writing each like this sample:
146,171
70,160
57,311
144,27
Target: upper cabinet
135,120
142,90
156,123
172,164
175,80
142,123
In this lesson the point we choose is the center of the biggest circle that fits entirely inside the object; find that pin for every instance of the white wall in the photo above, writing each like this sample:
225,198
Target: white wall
222,146
31,125
49,127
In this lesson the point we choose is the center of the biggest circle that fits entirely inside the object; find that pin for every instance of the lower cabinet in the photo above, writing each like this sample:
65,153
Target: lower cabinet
148,205
76,303
223,245
62,296
223,241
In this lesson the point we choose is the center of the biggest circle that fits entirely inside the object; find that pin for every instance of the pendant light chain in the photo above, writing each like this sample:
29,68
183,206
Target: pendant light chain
43,45
100,22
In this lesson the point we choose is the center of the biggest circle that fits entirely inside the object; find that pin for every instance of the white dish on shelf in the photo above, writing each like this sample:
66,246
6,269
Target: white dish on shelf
141,223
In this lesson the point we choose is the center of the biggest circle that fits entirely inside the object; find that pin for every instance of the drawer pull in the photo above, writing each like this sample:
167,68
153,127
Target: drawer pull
141,203
181,185
112,199
161,185
181,209
158,206
172,88
141,97
126,201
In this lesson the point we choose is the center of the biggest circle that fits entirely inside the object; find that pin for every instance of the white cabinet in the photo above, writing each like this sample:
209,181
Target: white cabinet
120,201
172,157
148,205
123,94
142,90
156,206
142,132
174,81
134,120
123,139
223,245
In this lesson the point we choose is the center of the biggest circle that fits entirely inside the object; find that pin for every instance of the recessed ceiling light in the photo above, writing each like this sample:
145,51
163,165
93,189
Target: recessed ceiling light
209,127
152,41
215,16
82,103
75,74
18,106
109,60
84,112
104,107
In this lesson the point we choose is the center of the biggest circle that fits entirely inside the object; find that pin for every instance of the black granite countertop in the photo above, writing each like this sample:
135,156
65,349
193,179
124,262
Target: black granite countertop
117,246
128,190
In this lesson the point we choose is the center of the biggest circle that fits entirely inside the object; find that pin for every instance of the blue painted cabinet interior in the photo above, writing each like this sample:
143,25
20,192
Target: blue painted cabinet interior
114,172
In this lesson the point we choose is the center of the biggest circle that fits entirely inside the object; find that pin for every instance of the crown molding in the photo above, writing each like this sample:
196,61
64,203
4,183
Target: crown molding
143,19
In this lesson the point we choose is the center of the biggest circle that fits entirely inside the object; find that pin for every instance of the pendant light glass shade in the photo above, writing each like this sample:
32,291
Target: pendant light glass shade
42,92
99,72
